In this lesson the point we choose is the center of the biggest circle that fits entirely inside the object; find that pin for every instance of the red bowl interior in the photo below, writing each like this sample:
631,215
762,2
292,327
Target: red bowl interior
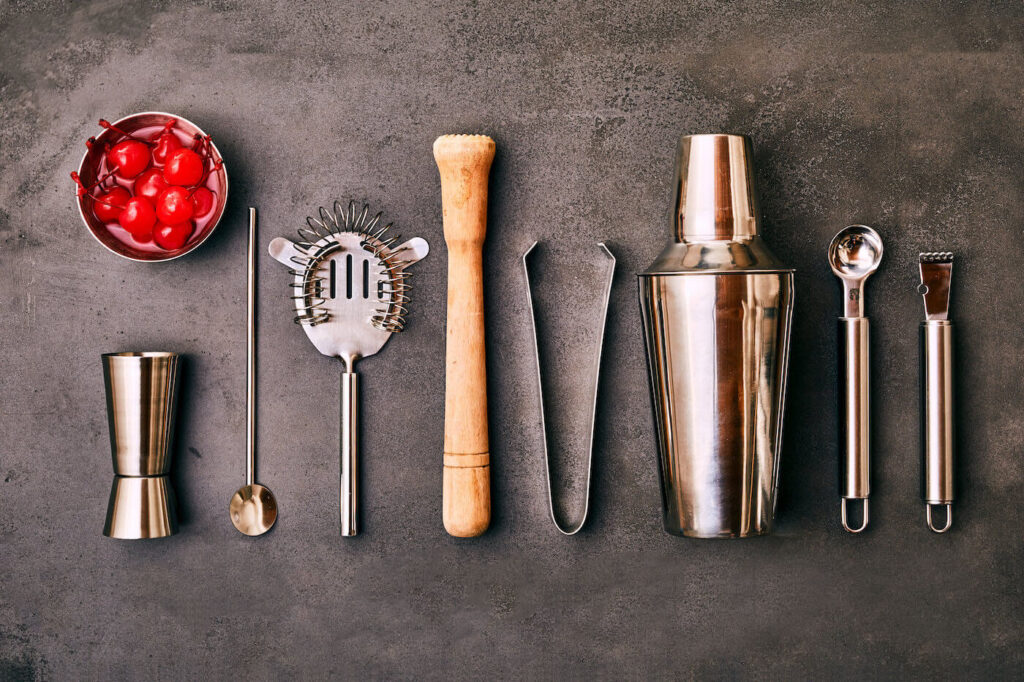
91,163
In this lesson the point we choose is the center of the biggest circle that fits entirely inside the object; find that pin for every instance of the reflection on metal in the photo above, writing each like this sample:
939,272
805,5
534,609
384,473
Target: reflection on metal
141,395
717,310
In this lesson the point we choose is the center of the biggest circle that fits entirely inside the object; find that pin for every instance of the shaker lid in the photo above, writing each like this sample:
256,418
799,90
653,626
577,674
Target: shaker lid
715,215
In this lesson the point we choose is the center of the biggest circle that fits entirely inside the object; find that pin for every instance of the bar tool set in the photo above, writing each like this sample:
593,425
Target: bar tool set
854,254
253,508
142,396
716,307
937,386
464,163
351,292
572,528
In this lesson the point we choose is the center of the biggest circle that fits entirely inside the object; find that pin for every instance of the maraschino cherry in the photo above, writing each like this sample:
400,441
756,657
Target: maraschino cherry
108,206
174,206
202,202
130,157
166,143
138,216
142,237
150,184
184,167
172,237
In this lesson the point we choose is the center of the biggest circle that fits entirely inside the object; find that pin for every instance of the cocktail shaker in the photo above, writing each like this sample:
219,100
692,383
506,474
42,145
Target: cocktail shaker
141,396
717,308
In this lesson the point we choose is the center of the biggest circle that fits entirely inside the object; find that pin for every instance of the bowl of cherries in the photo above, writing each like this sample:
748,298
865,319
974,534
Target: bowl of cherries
151,187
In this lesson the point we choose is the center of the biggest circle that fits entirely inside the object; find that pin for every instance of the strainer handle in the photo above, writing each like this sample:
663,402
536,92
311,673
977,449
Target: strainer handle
349,453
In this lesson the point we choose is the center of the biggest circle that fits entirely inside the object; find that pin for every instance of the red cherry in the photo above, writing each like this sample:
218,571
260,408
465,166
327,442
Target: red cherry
184,167
174,206
202,202
166,144
108,206
150,184
142,237
138,216
131,157
171,237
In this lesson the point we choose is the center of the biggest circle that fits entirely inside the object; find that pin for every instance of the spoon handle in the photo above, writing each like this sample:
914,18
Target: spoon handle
250,373
854,412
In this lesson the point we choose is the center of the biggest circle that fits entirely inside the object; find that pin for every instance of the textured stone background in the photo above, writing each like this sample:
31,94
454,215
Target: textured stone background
903,115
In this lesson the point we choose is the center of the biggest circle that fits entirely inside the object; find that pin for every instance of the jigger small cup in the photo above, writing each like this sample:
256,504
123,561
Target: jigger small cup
141,398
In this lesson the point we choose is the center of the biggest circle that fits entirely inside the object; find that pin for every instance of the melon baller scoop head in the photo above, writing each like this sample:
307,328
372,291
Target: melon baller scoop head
351,292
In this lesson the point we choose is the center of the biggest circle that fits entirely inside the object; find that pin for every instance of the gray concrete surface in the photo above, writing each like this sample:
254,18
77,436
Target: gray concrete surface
903,115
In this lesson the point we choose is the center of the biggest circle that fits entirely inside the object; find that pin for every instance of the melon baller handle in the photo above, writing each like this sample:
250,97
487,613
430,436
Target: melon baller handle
854,416
349,486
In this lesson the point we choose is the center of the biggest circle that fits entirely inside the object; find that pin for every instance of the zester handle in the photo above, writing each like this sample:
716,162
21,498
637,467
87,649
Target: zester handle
854,415
464,162
937,421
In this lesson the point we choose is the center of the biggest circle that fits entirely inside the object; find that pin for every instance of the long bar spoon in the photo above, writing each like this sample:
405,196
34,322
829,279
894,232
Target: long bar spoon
253,507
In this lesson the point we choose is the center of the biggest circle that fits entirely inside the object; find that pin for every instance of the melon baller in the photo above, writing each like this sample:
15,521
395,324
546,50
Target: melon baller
854,254
351,292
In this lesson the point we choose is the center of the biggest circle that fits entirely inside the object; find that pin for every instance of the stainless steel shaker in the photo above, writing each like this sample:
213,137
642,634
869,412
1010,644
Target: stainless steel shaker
141,396
717,308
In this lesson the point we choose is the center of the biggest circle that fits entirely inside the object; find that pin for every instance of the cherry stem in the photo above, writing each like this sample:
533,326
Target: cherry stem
206,154
105,203
110,126
83,190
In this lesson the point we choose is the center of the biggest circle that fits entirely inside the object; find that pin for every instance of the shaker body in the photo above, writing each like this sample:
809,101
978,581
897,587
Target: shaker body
717,349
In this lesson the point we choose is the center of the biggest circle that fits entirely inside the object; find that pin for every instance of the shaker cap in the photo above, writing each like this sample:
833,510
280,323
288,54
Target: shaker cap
714,188
715,214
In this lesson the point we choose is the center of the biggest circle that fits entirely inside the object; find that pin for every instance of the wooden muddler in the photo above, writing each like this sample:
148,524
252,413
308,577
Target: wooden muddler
465,162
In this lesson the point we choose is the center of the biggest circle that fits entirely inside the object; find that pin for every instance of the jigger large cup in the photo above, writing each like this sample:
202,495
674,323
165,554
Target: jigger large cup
717,307
141,396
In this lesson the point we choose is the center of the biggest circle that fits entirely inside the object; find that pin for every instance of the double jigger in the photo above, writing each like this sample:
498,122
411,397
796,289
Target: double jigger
141,397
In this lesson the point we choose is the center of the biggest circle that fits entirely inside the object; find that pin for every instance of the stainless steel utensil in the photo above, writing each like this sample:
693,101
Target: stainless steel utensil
253,508
717,309
937,386
142,392
854,253
351,291
575,527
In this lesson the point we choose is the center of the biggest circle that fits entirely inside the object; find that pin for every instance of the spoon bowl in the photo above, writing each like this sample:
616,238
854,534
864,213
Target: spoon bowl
253,509
855,252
